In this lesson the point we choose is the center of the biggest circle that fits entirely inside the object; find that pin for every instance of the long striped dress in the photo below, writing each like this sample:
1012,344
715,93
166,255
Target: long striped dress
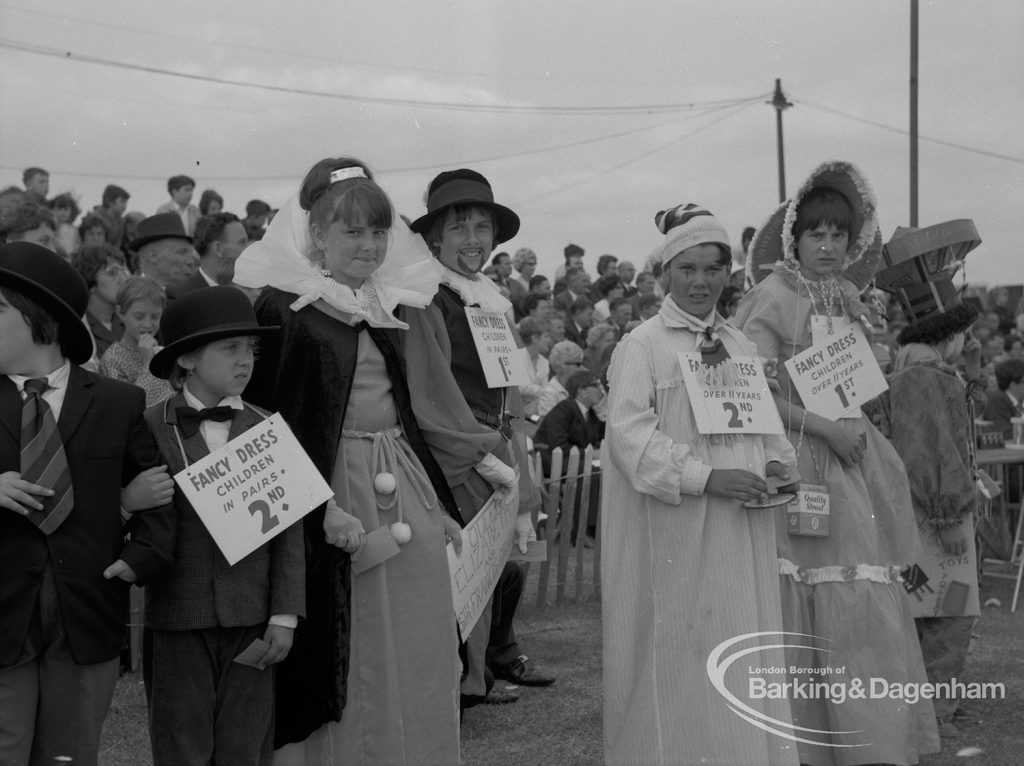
683,572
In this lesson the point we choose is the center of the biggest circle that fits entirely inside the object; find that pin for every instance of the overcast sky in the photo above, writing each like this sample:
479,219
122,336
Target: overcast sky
542,96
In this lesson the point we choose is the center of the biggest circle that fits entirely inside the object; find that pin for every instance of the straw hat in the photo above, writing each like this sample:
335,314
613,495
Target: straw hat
774,245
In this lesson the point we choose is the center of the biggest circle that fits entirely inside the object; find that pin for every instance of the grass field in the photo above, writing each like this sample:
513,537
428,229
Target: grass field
561,724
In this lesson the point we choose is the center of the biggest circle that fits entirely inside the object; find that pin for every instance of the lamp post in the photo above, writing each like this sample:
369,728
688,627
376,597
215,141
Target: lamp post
779,102
913,112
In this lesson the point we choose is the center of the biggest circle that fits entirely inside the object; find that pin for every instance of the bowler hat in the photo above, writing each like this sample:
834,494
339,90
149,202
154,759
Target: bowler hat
202,316
159,226
47,279
465,187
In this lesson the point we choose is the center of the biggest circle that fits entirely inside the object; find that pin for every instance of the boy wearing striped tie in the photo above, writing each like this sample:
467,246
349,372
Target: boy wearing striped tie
69,441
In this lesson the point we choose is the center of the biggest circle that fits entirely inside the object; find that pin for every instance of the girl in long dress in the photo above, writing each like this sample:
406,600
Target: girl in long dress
374,672
820,249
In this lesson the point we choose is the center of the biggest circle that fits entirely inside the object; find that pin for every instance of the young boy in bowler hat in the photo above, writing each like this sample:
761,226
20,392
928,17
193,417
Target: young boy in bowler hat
69,440
203,707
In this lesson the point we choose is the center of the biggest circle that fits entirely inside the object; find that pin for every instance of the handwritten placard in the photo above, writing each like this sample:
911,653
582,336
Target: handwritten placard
253,488
496,346
835,377
942,584
486,542
742,406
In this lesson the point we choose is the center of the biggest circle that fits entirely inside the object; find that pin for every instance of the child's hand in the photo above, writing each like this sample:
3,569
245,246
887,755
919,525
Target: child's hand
736,484
954,541
525,533
16,494
779,471
280,640
496,472
149,489
452,532
847,443
343,530
120,569
147,346
972,356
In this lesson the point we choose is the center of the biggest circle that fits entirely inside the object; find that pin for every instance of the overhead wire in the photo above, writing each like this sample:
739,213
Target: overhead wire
904,132
405,169
44,50
292,54
632,160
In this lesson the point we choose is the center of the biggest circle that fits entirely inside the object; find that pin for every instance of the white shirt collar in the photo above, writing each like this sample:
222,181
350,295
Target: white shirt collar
209,280
56,379
234,402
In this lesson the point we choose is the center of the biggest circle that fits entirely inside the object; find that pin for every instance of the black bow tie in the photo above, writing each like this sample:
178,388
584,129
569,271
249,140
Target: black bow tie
189,418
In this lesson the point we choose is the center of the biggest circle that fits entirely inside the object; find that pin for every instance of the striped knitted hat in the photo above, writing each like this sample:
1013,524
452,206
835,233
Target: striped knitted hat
686,226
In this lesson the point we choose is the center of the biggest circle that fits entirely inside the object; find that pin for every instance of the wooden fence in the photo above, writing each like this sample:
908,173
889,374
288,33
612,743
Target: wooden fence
573,573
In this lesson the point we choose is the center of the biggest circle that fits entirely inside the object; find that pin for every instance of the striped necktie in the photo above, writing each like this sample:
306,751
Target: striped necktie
42,458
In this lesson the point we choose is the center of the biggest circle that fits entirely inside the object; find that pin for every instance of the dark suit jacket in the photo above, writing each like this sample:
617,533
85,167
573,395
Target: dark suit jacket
204,591
564,426
999,409
104,338
564,300
107,444
576,335
177,289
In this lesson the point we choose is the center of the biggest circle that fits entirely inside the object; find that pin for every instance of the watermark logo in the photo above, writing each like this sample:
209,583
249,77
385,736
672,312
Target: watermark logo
831,684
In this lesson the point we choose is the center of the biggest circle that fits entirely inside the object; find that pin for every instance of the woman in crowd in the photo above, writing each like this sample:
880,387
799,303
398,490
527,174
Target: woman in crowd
373,675
210,203
565,358
66,211
601,342
536,345
102,267
820,249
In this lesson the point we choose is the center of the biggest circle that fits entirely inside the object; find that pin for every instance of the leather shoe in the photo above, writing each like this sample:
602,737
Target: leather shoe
501,696
524,672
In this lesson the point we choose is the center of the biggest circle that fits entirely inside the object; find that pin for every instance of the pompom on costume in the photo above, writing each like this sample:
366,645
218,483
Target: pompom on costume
844,588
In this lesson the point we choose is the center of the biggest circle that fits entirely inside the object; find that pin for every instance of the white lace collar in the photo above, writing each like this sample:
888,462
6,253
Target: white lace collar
476,291
282,259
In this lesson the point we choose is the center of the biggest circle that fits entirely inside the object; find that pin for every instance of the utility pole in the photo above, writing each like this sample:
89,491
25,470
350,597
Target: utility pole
779,102
913,112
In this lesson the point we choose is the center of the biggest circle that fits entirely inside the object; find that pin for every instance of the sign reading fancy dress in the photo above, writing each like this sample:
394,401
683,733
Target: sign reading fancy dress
836,376
496,346
743,405
253,488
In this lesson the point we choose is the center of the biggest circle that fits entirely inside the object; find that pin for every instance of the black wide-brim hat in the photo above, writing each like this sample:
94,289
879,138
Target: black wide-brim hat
465,187
202,316
47,279
160,226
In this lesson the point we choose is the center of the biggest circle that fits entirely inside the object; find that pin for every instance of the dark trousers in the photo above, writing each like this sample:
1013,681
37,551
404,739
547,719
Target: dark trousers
944,645
50,706
501,645
204,708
